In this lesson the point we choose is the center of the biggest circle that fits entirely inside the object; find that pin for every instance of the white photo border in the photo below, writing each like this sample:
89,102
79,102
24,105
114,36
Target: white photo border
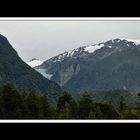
69,19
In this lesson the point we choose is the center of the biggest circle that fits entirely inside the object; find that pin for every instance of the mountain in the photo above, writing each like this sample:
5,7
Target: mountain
13,69
109,65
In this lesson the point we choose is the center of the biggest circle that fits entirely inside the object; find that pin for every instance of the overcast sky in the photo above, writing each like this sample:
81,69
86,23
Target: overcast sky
45,39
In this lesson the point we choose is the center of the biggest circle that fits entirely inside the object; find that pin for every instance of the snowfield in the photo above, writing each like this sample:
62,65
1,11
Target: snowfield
34,63
93,48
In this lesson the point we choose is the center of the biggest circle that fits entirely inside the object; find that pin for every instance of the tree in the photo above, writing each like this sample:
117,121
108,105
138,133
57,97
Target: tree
98,112
46,109
2,109
8,88
121,104
121,107
34,105
85,105
92,115
105,111
12,102
130,115
25,110
67,106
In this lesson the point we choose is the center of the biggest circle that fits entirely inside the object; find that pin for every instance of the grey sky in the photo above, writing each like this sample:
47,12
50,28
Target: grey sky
44,39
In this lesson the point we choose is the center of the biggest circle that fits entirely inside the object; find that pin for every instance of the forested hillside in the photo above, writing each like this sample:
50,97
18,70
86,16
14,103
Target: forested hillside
31,105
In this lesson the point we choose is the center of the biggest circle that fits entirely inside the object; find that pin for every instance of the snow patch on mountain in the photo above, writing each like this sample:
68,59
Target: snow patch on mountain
137,42
110,47
64,55
34,62
93,48
71,52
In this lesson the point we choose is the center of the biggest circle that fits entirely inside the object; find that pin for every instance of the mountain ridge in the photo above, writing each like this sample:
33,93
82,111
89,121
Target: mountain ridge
95,67
14,69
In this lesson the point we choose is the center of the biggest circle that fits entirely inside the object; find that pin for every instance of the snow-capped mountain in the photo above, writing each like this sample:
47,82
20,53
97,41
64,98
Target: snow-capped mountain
77,52
107,65
90,49
34,62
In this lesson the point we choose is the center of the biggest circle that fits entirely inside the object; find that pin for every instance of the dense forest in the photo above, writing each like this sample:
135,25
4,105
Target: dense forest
31,105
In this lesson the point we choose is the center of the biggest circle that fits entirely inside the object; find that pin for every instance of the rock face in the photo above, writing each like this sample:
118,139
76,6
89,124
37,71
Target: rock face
13,69
66,74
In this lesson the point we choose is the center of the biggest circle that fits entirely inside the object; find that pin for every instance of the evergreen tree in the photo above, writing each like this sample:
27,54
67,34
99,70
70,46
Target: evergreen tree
12,102
129,115
92,115
85,105
46,109
121,104
8,88
34,105
105,111
2,108
121,107
99,114
67,106
25,110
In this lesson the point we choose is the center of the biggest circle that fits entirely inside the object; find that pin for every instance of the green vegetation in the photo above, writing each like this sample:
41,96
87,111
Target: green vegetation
31,105
15,70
